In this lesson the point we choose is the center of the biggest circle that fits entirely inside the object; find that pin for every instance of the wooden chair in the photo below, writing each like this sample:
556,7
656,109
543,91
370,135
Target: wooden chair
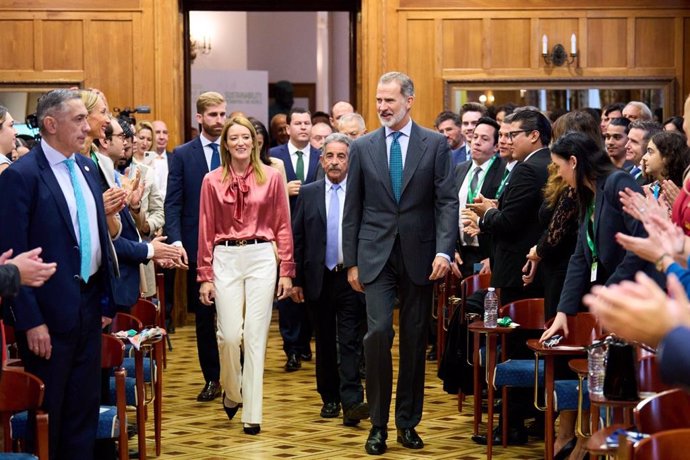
112,355
667,410
583,330
529,314
22,392
162,319
149,315
446,302
469,286
649,376
665,445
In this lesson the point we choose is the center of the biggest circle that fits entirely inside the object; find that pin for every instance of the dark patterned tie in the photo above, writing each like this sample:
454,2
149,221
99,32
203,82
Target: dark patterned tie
299,170
396,166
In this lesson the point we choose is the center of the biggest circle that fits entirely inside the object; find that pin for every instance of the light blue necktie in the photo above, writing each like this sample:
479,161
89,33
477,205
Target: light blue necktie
82,221
332,225
396,166
215,157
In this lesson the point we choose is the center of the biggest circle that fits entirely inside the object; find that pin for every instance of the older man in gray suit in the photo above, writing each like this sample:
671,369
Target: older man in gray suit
399,231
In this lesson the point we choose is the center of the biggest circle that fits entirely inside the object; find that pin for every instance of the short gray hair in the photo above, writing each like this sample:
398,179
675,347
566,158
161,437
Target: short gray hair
645,111
336,137
406,84
354,116
54,102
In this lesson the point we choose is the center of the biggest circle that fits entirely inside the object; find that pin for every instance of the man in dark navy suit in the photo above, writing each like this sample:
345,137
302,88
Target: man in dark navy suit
301,166
52,200
336,309
189,164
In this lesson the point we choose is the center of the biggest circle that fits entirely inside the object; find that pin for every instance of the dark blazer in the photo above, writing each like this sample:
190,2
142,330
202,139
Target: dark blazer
426,218
515,226
616,262
186,172
459,156
489,189
309,234
281,152
130,253
34,213
9,280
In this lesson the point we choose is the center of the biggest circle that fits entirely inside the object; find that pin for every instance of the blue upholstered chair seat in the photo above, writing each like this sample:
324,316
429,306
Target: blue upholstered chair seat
128,364
517,373
565,395
108,426
482,355
130,390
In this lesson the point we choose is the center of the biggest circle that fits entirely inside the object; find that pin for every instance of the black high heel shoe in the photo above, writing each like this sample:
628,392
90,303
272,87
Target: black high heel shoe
230,411
566,450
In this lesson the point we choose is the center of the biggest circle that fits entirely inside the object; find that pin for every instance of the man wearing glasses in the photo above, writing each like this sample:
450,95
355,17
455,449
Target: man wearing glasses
515,228
514,222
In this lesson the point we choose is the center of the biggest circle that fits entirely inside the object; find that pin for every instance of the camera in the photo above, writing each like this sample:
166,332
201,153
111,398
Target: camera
127,113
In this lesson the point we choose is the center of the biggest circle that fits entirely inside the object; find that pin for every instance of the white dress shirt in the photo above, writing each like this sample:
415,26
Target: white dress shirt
403,140
56,160
160,166
208,151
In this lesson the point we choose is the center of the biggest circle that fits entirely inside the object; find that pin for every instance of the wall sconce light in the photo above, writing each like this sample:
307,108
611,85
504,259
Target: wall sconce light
197,46
558,55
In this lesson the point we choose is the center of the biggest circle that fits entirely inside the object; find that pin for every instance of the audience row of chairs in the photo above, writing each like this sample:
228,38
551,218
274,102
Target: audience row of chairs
665,414
136,381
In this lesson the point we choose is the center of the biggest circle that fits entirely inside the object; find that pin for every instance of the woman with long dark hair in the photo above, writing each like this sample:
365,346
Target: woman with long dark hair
598,258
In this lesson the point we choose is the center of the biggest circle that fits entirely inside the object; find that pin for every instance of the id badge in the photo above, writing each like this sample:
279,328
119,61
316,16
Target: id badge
593,271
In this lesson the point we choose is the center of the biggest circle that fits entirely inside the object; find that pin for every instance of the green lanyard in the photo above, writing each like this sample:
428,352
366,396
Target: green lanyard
591,230
504,181
472,194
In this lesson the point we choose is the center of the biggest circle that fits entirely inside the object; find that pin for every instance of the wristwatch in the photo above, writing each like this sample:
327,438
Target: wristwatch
659,264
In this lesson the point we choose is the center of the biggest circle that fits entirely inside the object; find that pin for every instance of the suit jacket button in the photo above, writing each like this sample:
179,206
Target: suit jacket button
77,278
76,248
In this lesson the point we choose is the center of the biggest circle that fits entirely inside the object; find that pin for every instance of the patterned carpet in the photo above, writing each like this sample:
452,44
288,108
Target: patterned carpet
292,427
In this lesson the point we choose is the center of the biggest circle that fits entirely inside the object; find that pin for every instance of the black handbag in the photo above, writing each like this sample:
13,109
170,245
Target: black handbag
620,380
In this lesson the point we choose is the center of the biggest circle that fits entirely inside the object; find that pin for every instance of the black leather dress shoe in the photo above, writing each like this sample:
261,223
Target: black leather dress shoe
409,438
210,392
293,363
358,411
516,437
330,410
432,355
230,411
306,356
376,442
252,429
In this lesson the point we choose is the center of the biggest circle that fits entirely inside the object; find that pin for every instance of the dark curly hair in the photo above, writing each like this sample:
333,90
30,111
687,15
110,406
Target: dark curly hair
674,154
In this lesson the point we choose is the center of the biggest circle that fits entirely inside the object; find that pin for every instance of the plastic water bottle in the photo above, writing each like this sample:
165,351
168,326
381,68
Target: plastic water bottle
596,364
490,308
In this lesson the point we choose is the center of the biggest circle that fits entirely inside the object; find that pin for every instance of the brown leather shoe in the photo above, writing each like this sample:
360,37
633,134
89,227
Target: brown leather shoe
210,392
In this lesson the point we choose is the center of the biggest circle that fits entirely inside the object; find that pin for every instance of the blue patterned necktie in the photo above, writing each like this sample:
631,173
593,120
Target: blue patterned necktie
215,157
396,166
332,225
82,221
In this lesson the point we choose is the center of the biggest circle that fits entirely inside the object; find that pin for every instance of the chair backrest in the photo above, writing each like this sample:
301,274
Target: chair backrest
583,329
665,445
146,311
112,351
664,411
474,283
125,322
528,313
649,375
20,390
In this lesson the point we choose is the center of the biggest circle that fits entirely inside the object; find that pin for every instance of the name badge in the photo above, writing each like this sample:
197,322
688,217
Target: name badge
593,272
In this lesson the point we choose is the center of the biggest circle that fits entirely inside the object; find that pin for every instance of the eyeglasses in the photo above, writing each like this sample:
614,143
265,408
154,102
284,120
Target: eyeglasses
511,134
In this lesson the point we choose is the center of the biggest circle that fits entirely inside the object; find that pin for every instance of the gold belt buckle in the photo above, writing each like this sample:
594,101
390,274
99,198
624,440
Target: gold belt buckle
241,242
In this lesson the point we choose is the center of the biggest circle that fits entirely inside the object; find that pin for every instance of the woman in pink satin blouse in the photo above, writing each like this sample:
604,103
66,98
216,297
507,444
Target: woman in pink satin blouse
243,210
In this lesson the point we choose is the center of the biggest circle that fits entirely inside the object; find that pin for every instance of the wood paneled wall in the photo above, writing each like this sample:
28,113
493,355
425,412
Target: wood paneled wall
479,40
130,49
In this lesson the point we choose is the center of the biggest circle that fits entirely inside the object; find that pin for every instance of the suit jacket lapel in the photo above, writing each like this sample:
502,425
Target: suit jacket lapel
51,182
314,155
199,157
491,180
598,205
289,170
461,172
379,156
321,201
415,151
